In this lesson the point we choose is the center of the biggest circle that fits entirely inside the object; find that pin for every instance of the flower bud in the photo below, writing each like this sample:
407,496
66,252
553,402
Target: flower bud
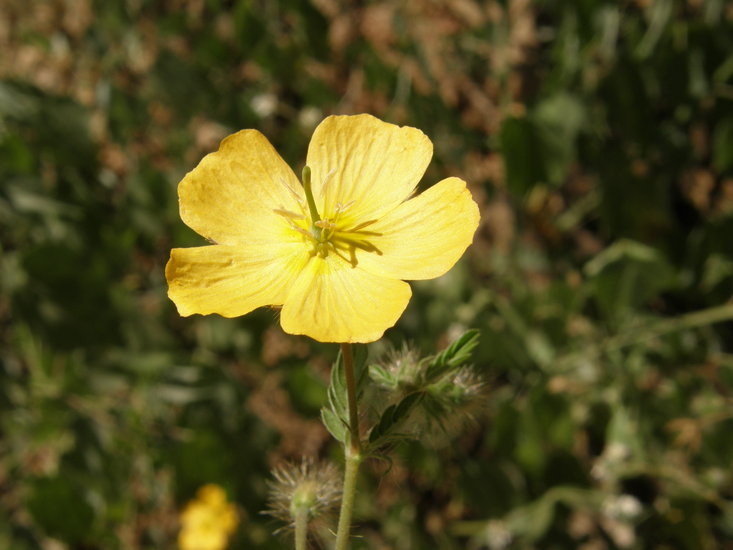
311,488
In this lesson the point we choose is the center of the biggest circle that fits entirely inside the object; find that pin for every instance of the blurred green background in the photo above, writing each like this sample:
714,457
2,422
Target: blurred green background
597,138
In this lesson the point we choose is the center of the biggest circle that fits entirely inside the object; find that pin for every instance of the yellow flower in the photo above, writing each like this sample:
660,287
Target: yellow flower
207,521
333,253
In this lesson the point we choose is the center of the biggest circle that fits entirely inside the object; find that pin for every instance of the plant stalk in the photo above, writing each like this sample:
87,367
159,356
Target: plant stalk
354,440
301,528
347,499
352,452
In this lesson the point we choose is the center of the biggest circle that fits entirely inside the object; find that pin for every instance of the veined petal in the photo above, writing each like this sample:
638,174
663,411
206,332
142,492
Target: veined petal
232,280
362,159
230,196
425,236
334,302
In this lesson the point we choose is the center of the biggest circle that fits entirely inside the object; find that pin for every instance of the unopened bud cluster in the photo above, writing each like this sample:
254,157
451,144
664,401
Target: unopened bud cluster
450,396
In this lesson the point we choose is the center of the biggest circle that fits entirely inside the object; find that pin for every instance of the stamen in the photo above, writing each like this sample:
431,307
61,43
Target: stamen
293,192
325,224
326,181
301,230
360,233
340,207
363,225
289,214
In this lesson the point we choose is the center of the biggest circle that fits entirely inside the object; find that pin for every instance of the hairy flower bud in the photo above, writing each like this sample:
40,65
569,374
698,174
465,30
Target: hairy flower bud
311,488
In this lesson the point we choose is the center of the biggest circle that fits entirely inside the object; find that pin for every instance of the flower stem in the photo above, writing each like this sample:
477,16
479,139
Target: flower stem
301,528
347,498
352,453
354,441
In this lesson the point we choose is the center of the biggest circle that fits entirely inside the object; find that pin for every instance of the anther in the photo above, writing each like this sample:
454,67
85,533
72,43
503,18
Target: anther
325,224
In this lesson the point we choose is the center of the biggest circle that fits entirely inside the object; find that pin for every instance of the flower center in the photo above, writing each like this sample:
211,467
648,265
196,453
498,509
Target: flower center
329,234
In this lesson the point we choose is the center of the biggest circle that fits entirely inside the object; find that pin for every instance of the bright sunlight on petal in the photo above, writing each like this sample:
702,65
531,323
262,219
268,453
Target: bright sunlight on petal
230,196
229,280
333,302
366,162
425,236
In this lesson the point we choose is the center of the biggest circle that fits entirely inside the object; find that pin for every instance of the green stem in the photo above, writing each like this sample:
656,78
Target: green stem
351,395
352,453
347,499
301,528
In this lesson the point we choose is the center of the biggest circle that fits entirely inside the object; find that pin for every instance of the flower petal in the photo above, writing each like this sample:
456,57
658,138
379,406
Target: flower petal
333,302
362,159
425,236
232,280
230,196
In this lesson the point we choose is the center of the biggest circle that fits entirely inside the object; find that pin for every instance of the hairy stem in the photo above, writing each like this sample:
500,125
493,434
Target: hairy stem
301,528
352,452
347,499
354,441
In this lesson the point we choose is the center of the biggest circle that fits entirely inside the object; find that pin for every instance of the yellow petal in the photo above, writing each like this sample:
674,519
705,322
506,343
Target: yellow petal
334,302
426,235
232,280
362,159
230,196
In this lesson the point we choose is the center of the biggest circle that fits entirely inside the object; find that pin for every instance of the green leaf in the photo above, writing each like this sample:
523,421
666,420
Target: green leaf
337,393
335,418
382,376
717,269
531,521
405,406
391,419
455,355
627,274
559,120
335,426
382,427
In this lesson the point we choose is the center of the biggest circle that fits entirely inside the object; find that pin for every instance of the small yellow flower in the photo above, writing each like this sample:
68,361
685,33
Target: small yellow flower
207,521
333,253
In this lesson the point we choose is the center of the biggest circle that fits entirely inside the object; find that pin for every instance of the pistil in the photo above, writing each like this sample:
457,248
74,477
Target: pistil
309,194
